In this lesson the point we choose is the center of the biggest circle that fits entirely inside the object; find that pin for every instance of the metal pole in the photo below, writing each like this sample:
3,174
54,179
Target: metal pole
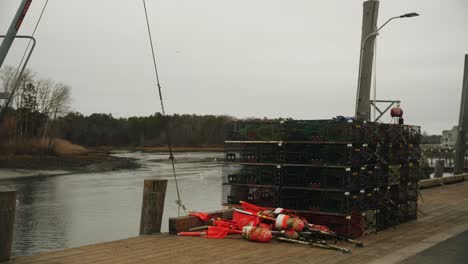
361,102
18,78
460,147
13,29
369,28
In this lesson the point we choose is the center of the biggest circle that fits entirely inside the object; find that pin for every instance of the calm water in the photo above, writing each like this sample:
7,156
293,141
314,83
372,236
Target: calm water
68,211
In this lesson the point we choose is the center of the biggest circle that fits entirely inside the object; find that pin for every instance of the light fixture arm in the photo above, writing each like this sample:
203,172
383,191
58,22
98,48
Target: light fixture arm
373,34
384,24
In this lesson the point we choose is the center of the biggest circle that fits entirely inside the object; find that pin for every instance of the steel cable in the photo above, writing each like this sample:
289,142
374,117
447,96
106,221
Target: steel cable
163,111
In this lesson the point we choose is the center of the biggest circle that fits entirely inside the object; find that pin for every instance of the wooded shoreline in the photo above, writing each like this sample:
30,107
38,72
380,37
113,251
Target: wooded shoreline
96,159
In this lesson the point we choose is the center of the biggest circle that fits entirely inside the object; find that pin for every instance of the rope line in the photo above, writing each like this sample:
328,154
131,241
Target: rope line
163,111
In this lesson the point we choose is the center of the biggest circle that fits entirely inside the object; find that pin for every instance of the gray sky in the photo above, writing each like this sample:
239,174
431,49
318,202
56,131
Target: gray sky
270,58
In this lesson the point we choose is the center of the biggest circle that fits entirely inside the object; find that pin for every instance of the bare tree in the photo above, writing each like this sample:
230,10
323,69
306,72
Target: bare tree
36,103
7,74
59,104
12,83
44,95
60,99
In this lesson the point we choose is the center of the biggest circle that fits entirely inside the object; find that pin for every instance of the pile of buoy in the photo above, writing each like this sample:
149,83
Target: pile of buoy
259,224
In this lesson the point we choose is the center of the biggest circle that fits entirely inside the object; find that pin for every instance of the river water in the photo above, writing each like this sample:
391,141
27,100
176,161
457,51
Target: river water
80,209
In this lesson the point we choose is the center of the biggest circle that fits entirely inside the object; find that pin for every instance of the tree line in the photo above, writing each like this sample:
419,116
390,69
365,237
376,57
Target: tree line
34,106
39,109
150,131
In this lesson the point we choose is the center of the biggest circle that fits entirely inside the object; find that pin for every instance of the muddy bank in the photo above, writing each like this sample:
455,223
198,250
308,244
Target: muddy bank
92,161
165,149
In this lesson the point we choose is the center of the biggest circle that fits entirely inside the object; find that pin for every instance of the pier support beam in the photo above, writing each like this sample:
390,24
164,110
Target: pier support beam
7,220
154,193
460,147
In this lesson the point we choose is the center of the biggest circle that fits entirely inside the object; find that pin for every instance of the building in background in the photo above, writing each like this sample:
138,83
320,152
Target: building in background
449,137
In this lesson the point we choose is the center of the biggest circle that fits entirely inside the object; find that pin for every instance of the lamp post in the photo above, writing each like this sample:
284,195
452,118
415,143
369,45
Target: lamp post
375,33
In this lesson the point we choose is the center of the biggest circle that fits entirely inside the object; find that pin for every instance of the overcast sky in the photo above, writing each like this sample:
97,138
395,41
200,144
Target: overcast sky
296,58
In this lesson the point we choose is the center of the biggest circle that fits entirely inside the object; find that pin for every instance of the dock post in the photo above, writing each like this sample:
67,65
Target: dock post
154,193
439,168
7,220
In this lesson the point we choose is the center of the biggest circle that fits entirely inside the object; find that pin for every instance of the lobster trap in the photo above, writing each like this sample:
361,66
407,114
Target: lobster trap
412,210
326,200
327,154
398,194
300,200
332,201
262,196
414,153
410,173
413,191
328,130
253,153
354,177
343,178
369,222
392,134
403,211
393,174
254,131
323,130
348,225
302,176
387,216
397,154
412,135
251,174
341,202
408,211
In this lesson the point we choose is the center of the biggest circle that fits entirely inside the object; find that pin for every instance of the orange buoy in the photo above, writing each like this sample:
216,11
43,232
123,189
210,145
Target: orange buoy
256,234
290,234
286,222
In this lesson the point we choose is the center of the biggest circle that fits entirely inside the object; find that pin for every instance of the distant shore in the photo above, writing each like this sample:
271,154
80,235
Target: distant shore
165,149
91,161
95,160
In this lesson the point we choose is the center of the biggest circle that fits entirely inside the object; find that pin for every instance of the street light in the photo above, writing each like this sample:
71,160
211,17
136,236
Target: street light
376,33
409,15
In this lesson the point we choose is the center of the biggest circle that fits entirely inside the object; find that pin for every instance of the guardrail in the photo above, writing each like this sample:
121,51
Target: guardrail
430,183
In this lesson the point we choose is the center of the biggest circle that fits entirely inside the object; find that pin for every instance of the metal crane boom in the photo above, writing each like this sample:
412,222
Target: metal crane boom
13,29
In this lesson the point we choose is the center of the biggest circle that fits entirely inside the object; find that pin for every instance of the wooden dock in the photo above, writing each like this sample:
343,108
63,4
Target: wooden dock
445,215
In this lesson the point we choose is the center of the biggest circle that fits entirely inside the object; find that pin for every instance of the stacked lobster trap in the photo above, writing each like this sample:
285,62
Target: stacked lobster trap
354,177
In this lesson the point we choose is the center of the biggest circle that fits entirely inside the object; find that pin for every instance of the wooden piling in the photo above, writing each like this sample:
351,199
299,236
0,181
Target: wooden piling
439,168
7,220
154,193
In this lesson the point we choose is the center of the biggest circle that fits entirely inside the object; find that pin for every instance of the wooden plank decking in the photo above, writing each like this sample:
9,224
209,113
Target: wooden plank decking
445,215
